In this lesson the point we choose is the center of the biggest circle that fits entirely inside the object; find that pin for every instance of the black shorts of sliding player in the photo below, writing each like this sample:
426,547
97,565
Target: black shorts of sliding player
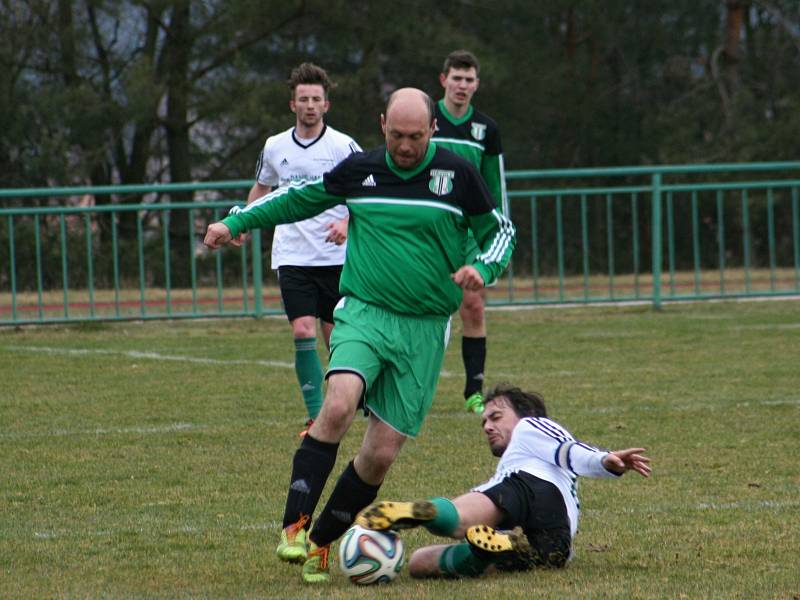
538,507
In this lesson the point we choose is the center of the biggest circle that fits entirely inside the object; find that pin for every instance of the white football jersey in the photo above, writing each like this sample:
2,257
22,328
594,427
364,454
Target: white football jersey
287,159
546,450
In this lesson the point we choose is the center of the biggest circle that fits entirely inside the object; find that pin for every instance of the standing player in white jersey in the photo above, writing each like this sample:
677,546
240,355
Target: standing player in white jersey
532,499
309,254
472,134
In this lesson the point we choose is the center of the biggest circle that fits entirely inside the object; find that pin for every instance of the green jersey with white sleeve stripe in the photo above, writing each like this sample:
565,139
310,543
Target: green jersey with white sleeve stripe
407,227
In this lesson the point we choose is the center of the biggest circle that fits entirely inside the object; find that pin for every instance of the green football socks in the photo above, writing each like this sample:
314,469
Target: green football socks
458,560
309,374
446,520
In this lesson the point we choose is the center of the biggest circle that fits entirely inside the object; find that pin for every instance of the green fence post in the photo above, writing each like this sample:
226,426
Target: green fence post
610,243
656,268
696,244
670,242
12,267
115,258
193,260
167,261
39,280
64,272
721,241
796,238
771,239
87,223
140,250
245,282
535,248
635,230
560,248
258,291
746,239
585,246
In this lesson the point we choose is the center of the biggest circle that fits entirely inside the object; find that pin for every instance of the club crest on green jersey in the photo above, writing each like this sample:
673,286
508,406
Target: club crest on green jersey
441,182
478,131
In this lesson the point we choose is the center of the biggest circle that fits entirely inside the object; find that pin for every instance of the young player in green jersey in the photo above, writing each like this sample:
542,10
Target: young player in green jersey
411,207
463,129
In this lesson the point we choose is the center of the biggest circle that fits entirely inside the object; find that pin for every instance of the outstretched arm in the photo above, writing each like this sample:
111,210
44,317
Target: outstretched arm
632,459
285,205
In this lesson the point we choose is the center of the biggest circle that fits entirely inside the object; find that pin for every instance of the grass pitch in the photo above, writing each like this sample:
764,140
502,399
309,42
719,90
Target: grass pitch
151,460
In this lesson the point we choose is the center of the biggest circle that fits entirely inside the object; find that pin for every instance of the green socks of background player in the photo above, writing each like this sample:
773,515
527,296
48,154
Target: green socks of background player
309,373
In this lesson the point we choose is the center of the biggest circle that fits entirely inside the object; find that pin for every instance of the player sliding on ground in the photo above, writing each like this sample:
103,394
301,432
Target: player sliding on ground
526,515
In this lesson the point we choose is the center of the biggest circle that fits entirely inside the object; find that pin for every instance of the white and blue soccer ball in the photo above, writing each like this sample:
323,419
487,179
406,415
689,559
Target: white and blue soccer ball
367,556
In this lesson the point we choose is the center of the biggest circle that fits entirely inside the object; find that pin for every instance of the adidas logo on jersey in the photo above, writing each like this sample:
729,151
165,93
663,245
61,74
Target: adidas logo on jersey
369,181
284,162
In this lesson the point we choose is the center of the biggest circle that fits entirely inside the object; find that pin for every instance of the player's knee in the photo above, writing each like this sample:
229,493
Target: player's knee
374,461
336,409
304,327
380,459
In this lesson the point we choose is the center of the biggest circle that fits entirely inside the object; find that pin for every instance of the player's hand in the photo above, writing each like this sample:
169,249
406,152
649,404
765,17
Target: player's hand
217,235
240,240
337,232
468,278
632,459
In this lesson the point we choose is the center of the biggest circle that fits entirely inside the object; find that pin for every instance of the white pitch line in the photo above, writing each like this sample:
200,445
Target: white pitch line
171,428
160,357
150,356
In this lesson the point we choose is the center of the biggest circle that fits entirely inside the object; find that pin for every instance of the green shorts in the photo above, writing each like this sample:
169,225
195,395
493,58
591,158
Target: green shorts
398,357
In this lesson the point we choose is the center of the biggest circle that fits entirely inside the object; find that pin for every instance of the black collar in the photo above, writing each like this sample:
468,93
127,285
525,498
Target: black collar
318,138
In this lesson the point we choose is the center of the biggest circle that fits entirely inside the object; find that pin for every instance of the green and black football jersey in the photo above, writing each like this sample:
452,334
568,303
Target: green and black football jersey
407,227
475,136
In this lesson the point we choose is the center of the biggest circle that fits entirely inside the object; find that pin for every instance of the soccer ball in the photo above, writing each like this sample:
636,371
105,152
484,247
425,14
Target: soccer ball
367,556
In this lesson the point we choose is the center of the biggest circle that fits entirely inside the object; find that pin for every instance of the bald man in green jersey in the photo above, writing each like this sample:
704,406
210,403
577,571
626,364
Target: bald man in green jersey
468,132
411,207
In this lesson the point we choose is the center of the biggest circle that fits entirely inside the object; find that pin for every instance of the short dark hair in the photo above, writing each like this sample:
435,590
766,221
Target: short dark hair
310,74
461,59
425,97
525,404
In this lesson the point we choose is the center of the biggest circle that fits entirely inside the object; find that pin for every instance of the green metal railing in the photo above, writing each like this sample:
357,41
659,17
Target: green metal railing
677,214
131,295
646,234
